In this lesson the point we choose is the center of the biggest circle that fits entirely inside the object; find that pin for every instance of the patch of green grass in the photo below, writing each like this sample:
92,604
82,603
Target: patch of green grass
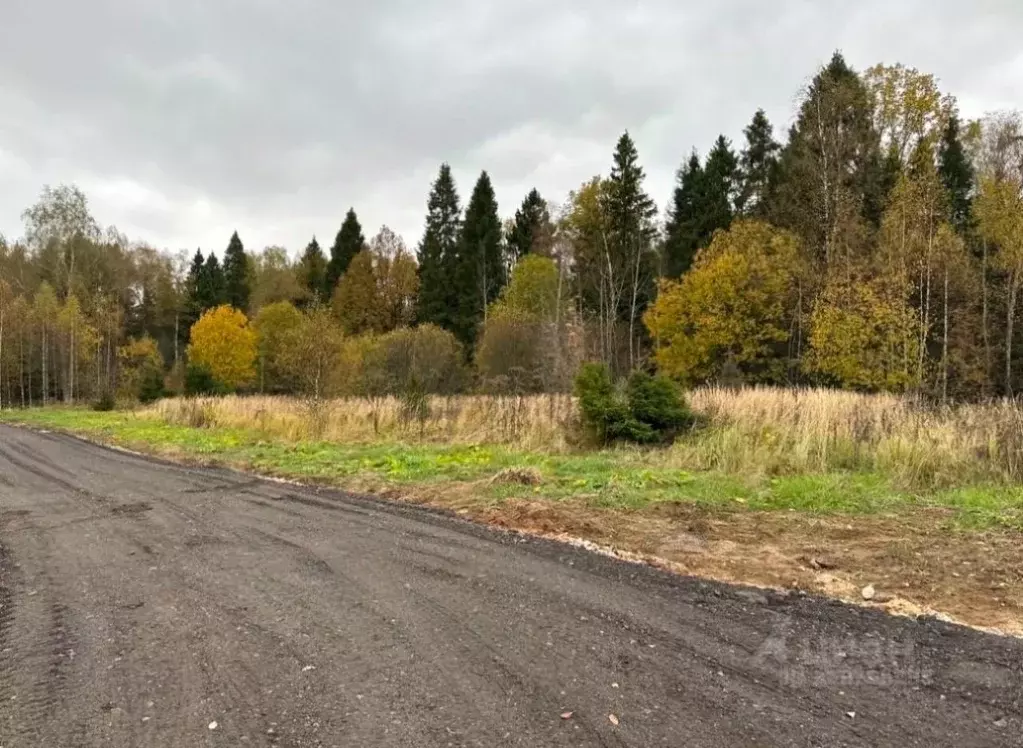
619,479
983,507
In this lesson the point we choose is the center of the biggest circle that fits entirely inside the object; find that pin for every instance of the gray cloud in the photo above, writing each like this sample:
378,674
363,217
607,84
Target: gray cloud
186,119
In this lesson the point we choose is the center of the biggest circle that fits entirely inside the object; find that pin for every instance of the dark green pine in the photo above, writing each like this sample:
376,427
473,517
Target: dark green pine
193,305
212,290
720,182
236,274
312,273
438,254
630,209
630,215
758,166
682,229
348,243
957,175
530,228
481,273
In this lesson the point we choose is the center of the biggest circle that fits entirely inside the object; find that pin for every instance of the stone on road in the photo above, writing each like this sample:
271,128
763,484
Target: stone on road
148,604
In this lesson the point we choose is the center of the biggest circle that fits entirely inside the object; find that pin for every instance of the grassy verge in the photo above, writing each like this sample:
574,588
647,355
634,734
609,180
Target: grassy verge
613,479
953,550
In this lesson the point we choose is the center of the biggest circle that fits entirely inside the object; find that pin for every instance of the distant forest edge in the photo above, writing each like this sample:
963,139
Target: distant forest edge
878,248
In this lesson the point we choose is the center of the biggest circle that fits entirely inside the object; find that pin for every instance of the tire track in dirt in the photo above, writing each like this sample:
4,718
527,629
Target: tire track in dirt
36,644
7,588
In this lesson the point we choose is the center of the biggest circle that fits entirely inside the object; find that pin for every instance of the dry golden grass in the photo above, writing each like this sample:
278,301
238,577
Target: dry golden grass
785,431
540,422
765,431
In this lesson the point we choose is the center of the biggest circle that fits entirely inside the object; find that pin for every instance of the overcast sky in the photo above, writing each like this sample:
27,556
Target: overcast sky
185,119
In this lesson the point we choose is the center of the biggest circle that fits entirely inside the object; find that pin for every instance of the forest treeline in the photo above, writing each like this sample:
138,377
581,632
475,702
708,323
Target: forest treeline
877,246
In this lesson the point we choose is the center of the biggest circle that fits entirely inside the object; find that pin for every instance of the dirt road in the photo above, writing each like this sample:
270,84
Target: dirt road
145,604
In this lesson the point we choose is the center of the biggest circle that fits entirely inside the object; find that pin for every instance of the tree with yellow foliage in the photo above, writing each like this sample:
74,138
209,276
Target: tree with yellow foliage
310,352
739,303
357,297
272,324
999,212
223,344
863,335
141,367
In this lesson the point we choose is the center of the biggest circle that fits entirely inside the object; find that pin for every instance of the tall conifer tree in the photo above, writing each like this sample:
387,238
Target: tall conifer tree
720,185
438,254
682,228
531,230
193,303
759,165
348,243
312,273
236,274
831,174
957,175
630,215
481,267
211,287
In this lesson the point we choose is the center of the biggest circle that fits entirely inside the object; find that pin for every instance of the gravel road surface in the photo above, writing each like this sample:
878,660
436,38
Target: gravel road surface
147,604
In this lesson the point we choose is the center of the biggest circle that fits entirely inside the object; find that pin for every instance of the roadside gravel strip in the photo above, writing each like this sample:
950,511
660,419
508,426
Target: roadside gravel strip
148,604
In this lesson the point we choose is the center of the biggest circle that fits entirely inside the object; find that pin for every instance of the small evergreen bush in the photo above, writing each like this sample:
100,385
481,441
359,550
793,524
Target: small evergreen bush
658,402
151,386
199,380
650,409
105,403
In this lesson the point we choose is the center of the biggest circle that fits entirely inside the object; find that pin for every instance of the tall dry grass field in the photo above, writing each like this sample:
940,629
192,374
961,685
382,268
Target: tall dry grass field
537,422
784,431
767,431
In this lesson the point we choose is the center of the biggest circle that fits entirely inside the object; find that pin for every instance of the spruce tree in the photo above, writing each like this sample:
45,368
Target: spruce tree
531,230
831,172
630,209
720,185
211,287
193,303
957,175
312,273
236,274
630,215
889,173
438,254
759,166
682,228
481,267
348,243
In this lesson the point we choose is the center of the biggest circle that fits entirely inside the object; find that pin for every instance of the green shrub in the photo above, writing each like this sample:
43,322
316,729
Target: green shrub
657,401
603,409
200,381
423,358
651,409
151,386
105,403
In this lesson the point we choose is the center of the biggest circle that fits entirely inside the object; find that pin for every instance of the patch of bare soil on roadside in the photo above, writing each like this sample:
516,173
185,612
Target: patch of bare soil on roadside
910,564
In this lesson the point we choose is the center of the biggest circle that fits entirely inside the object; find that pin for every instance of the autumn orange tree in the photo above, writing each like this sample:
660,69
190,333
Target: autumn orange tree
739,303
223,344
